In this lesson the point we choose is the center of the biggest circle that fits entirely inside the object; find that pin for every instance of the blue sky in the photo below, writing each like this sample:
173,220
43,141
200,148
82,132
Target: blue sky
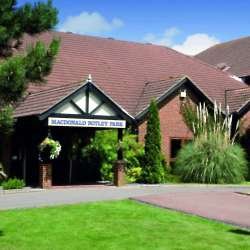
188,26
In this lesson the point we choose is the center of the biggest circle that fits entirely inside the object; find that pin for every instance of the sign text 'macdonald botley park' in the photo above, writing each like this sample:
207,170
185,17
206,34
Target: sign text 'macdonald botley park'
87,123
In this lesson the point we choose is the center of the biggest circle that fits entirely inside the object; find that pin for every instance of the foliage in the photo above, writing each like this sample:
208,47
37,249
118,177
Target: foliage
134,174
212,157
38,17
115,225
103,149
201,122
39,59
209,160
153,169
16,71
13,183
32,19
6,119
50,148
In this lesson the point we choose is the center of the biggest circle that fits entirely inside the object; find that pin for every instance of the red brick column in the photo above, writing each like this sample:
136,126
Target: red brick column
119,173
45,175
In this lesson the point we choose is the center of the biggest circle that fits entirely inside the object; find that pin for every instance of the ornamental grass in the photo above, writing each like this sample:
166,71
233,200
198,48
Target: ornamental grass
213,156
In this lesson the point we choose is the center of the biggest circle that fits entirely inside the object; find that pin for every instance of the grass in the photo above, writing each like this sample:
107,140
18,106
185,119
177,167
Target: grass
114,225
246,183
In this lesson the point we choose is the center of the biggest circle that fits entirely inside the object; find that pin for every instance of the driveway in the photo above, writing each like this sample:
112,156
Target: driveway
56,196
230,206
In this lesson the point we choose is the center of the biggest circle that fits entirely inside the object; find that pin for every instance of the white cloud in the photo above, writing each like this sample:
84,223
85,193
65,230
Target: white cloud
196,43
193,44
90,23
165,39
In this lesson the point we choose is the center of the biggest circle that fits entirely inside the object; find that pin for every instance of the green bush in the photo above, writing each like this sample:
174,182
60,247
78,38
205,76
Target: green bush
103,151
211,160
213,156
13,183
134,174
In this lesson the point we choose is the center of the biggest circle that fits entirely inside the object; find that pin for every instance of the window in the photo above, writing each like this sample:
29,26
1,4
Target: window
175,145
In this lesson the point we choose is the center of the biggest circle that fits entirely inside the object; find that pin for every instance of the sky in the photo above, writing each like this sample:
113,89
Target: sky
188,26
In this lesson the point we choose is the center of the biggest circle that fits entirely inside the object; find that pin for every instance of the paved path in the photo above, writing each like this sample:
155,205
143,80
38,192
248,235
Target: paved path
97,193
228,206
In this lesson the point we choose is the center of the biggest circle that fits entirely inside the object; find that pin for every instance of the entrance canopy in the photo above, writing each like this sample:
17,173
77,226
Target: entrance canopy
87,106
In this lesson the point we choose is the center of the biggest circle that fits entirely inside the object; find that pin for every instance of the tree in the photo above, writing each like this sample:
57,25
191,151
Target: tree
154,169
18,70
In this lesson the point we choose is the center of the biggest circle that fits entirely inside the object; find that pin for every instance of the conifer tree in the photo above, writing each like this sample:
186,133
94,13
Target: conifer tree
153,163
17,70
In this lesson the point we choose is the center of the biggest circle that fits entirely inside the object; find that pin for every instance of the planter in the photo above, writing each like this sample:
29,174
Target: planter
45,175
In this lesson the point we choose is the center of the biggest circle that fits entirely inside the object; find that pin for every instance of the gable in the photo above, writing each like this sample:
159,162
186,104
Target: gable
87,101
178,85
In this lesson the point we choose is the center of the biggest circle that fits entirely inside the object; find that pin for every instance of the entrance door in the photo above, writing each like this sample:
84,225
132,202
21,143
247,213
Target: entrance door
71,168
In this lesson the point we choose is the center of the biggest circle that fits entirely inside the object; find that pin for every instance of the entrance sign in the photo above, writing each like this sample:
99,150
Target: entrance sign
86,123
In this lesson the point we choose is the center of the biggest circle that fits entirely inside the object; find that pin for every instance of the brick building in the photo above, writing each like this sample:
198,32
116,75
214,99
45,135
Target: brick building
125,77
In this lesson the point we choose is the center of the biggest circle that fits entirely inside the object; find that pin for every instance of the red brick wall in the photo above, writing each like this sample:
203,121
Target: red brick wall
172,125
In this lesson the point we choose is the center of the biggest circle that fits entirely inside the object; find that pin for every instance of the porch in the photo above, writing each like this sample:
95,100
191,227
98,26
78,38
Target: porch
72,121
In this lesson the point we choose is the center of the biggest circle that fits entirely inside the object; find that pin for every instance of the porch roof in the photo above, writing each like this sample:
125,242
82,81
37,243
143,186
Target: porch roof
237,98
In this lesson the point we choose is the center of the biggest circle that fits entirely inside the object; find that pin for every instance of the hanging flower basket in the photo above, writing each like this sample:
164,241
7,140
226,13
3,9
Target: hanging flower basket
49,149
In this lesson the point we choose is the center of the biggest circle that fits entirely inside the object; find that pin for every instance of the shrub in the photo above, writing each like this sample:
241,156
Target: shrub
212,157
13,184
103,150
134,174
153,169
209,160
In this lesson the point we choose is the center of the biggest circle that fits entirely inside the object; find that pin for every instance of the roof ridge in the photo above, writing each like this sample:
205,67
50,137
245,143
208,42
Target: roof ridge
227,42
104,38
192,58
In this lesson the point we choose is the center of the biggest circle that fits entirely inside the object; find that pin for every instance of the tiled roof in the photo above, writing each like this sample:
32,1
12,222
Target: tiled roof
154,90
237,98
121,69
235,54
40,101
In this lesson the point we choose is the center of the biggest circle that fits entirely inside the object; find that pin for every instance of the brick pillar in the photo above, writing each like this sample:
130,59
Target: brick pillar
45,175
119,173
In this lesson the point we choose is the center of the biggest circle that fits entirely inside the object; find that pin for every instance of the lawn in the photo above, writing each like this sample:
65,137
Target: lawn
114,225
